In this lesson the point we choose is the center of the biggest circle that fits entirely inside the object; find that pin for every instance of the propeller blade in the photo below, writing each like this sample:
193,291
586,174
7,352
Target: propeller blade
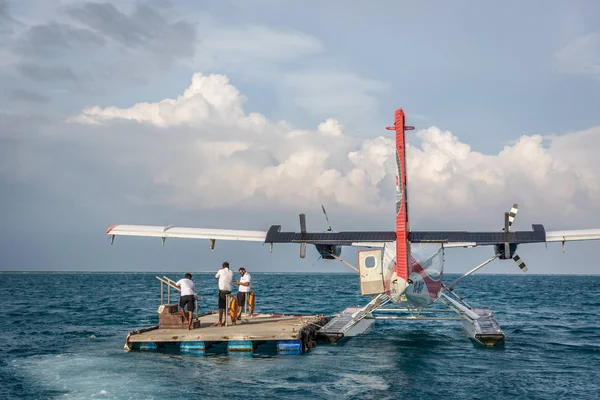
506,230
326,217
302,230
302,223
520,263
513,213
507,250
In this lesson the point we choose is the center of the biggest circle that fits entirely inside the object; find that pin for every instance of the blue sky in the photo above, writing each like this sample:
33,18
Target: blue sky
279,107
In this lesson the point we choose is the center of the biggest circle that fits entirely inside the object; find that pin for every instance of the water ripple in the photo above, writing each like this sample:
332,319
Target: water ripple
65,338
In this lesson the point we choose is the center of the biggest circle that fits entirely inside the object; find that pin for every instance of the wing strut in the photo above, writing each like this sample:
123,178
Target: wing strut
483,264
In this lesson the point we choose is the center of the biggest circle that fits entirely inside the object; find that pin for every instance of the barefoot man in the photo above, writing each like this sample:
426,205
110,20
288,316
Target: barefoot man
225,276
187,287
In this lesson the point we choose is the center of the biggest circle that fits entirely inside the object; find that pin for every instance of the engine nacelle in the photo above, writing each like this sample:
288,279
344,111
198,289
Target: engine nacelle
499,249
326,251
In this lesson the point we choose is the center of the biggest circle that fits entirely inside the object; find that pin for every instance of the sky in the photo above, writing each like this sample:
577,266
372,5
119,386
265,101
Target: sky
244,114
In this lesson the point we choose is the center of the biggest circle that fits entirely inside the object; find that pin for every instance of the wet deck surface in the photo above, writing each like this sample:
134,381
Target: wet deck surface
259,327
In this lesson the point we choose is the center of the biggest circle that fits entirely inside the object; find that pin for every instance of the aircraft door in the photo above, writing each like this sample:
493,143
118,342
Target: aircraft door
370,267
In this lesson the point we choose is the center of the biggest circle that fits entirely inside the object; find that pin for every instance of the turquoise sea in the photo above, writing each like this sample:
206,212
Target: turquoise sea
62,336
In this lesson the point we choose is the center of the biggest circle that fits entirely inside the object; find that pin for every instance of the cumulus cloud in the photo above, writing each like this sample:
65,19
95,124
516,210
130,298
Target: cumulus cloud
330,127
214,154
267,56
100,47
207,98
539,172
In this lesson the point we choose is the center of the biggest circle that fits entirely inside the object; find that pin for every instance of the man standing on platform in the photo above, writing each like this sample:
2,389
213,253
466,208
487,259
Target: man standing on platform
244,289
225,276
188,289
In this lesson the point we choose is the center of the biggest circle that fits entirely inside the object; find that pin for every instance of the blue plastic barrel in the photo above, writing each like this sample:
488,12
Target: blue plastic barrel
240,345
289,346
193,347
151,346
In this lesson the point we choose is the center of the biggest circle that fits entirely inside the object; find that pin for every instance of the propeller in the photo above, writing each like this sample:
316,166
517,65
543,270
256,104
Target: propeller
509,218
303,231
327,218
520,263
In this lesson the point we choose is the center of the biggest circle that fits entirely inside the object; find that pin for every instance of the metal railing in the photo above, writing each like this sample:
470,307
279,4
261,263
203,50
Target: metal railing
170,283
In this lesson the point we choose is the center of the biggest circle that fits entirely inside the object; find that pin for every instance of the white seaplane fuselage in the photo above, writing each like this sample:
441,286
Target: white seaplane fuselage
425,273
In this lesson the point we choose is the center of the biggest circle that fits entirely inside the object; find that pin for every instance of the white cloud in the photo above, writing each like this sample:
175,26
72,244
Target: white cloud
207,98
213,154
263,55
581,55
551,181
101,48
330,127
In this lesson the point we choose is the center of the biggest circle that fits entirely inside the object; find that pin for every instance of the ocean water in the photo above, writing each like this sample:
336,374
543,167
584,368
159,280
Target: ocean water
62,336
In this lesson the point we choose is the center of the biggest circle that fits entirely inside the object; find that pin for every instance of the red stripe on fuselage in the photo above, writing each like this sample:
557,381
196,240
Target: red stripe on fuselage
433,286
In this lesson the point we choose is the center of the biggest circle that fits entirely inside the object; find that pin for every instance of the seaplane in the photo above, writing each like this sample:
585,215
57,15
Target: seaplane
401,268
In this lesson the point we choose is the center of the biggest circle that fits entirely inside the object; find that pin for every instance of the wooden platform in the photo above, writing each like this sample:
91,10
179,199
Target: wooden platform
255,329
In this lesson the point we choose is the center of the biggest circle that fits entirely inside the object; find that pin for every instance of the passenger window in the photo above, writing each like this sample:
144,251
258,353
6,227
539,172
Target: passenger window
370,262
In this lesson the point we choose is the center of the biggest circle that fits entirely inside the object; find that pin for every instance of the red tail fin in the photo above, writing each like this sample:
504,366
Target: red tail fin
402,226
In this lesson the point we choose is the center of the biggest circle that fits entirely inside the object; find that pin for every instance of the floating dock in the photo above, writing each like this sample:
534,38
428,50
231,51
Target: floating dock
281,333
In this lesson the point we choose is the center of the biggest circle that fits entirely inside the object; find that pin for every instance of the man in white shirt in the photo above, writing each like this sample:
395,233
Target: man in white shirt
188,289
225,276
243,290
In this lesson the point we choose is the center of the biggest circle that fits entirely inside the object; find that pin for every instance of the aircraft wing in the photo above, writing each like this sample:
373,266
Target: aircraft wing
474,239
352,238
188,233
574,235
358,238
273,235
